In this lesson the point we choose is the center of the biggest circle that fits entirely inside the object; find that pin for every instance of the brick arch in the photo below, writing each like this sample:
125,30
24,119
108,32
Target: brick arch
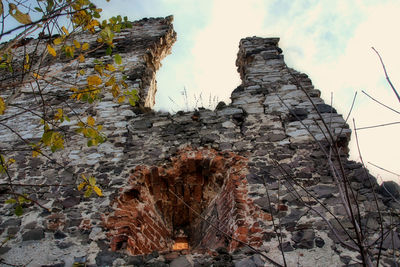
148,215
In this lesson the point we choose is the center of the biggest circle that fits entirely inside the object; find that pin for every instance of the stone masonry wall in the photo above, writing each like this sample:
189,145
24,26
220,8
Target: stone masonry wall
255,153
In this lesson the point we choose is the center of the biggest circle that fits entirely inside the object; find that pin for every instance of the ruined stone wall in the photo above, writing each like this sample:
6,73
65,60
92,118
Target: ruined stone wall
243,167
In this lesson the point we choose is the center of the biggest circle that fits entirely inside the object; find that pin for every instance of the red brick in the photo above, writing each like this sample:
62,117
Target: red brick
242,230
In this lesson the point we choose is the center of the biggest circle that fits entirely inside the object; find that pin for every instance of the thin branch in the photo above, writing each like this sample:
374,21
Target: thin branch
279,235
36,185
383,169
45,19
288,175
379,125
373,192
32,200
392,109
387,77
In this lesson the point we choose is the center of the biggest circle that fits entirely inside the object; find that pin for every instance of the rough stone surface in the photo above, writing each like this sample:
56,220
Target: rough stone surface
225,164
35,234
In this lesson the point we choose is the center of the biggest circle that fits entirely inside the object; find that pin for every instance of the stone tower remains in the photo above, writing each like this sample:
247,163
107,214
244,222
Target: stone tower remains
267,170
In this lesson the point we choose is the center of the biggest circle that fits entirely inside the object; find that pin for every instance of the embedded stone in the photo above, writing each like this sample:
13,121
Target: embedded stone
324,108
70,202
392,241
276,137
324,191
390,189
180,262
106,258
298,114
304,238
59,235
35,234
319,242
293,217
286,247
245,263
4,250
228,124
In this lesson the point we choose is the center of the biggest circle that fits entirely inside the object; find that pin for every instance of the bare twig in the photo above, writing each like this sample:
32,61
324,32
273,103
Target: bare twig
380,103
373,192
279,235
387,77
383,169
379,125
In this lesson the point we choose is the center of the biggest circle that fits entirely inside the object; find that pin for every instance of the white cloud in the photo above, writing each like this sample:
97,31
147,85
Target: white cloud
216,46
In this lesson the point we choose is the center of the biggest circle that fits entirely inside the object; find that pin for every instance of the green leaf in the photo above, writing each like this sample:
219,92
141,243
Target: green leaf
47,136
118,59
19,210
10,201
38,9
23,199
50,4
18,15
92,180
109,51
88,192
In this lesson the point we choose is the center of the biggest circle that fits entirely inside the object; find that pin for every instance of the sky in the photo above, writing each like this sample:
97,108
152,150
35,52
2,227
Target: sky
328,40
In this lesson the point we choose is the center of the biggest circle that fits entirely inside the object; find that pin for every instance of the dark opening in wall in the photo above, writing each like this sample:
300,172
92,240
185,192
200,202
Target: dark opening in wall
161,207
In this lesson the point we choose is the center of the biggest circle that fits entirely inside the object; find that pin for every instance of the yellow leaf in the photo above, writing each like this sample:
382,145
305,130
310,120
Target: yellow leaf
65,30
85,46
84,177
77,44
110,67
98,191
81,186
121,99
1,7
94,80
124,84
57,41
11,161
99,69
82,72
37,76
110,81
115,90
99,127
59,114
35,153
27,58
2,106
51,50
18,15
90,121
81,58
